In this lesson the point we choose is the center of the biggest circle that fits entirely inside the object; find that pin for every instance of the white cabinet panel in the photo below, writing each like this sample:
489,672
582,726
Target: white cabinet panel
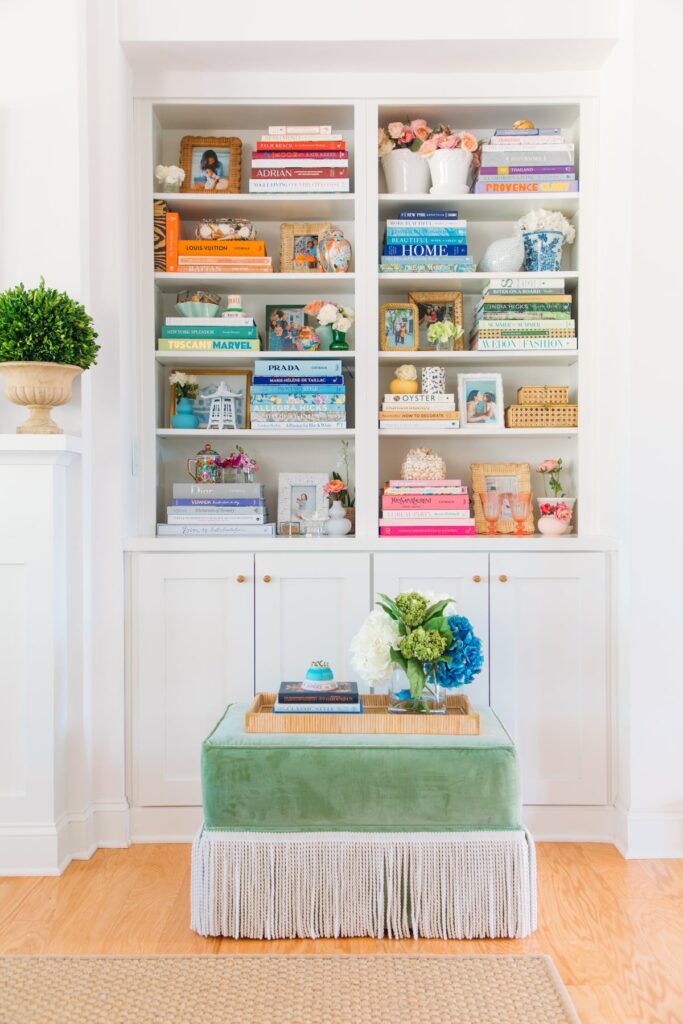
193,622
549,671
309,607
463,576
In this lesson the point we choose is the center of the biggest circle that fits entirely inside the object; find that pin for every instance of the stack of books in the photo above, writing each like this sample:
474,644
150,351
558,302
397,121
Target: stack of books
406,412
527,160
300,158
298,394
231,332
515,315
217,510
429,242
294,698
426,508
213,256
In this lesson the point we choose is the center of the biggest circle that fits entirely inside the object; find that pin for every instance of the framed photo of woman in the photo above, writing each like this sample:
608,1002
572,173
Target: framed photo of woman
435,307
398,327
212,163
480,400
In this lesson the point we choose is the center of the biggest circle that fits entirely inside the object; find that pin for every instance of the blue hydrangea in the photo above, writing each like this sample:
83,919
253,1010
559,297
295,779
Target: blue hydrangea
465,654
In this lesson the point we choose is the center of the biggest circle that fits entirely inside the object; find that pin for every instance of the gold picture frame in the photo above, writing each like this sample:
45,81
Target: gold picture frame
505,472
452,299
294,261
385,339
197,178
198,408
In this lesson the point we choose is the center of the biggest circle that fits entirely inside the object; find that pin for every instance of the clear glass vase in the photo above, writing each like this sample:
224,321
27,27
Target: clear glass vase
401,701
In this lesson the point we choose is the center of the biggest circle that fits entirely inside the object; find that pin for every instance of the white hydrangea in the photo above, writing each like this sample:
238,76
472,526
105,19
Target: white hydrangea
546,220
370,648
342,324
328,314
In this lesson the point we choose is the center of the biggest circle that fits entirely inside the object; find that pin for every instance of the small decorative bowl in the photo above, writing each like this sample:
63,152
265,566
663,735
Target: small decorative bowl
205,309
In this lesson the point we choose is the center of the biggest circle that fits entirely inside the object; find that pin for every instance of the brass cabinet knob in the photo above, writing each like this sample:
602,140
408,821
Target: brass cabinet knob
241,579
267,579
476,579
503,579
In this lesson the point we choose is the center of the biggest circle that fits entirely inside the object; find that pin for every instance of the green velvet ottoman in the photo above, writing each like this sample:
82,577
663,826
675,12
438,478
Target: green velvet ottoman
309,835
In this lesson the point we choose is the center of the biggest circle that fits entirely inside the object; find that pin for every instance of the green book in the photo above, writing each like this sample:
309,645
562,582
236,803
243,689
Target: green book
210,331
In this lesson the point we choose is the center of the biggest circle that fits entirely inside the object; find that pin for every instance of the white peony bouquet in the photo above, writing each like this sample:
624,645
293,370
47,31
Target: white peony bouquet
546,220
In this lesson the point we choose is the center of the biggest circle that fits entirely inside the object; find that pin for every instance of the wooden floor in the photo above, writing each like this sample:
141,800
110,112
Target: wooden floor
613,927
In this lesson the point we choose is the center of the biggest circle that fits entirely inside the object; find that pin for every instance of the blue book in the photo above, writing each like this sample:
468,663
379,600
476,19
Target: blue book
289,366
227,502
422,238
428,214
308,389
425,249
295,381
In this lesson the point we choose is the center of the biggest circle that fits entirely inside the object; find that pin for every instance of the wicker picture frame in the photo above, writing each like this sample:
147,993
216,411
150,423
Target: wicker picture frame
506,472
218,143
450,299
201,372
290,263
384,343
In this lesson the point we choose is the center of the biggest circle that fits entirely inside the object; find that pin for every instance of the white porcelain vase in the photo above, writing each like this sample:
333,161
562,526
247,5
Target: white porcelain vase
337,525
449,169
406,172
550,525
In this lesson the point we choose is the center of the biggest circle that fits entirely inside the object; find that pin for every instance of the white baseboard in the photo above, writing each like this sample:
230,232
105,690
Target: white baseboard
27,849
647,836
48,849
550,823
164,824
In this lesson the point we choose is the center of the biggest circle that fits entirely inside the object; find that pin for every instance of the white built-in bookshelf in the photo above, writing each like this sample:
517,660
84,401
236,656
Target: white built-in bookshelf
163,452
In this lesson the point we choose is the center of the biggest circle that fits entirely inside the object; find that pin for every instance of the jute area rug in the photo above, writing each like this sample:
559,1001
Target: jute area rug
273,989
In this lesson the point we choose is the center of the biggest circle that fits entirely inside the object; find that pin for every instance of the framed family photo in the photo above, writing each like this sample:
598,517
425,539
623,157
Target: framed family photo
208,380
435,307
300,493
300,247
505,478
283,324
398,327
480,400
212,163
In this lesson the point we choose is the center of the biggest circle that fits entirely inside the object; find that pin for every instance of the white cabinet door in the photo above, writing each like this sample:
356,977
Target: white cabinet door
549,671
192,627
464,577
308,606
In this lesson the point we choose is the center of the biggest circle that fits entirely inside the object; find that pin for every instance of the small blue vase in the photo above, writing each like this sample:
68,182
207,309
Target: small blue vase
184,418
543,250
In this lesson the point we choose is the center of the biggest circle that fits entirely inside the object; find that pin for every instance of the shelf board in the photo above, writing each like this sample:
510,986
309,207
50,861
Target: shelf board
258,207
225,358
478,207
470,284
472,357
165,432
260,284
482,434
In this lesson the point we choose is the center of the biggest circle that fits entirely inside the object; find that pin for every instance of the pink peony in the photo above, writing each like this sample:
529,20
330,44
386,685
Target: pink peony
468,141
395,129
418,123
548,466
428,147
407,136
563,513
448,142
313,308
423,133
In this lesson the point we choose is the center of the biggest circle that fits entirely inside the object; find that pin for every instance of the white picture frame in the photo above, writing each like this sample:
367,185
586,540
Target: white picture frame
290,505
480,401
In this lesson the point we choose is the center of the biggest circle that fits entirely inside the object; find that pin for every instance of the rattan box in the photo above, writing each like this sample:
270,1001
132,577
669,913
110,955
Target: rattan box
539,416
543,394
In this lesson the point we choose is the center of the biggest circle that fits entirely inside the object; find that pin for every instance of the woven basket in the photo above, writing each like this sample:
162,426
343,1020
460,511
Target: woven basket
543,394
529,416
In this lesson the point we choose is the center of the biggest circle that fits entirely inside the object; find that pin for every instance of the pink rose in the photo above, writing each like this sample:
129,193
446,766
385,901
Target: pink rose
407,136
428,147
468,141
422,133
563,513
395,129
546,509
448,142
548,466
313,308
418,123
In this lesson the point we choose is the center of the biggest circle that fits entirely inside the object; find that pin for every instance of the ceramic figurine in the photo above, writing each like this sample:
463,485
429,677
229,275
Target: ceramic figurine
505,255
319,677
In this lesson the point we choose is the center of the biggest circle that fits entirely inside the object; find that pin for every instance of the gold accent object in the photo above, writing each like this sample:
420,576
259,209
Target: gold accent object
384,345
476,579
241,579
524,123
503,579
460,718
481,471
267,579
451,299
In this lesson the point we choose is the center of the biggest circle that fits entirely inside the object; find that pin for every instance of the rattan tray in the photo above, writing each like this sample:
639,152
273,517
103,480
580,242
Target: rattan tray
543,394
538,416
460,719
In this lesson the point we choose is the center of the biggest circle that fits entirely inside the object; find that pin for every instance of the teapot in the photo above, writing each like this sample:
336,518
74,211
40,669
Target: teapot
205,468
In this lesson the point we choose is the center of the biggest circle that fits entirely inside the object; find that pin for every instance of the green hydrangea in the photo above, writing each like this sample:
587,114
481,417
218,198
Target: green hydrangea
423,645
412,607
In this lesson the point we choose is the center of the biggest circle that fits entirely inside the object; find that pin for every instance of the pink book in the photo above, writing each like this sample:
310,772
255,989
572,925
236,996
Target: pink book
441,501
465,521
427,531
424,483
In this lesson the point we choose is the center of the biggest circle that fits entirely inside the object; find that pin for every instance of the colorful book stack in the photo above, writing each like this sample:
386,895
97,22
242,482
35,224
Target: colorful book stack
527,160
516,316
406,412
294,698
298,394
426,508
217,510
300,158
231,332
213,256
429,242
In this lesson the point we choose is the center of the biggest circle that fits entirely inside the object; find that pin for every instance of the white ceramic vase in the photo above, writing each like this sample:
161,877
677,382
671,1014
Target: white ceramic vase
550,525
449,169
39,387
337,525
406,172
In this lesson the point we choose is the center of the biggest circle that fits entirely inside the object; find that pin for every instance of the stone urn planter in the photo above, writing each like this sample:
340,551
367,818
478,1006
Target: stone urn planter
39,387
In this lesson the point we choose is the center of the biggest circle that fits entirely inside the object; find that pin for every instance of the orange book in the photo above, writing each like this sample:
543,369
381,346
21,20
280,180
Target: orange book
220,247
172,238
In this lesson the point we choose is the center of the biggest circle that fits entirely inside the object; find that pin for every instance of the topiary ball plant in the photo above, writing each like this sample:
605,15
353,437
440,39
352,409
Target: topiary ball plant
44,325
